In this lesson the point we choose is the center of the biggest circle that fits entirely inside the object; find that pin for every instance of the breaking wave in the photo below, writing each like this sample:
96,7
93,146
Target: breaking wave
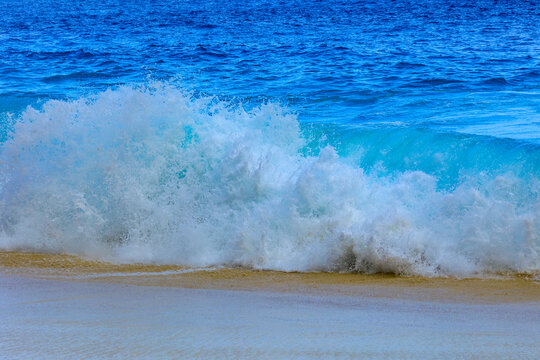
154,174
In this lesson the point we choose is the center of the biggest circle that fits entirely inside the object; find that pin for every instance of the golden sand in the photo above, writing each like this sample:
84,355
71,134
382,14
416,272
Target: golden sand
511,290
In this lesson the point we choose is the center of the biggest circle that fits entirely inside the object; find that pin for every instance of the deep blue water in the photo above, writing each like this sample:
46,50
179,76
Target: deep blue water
449,90
468,66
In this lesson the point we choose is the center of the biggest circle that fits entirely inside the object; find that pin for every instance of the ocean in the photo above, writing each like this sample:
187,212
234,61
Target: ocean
371,136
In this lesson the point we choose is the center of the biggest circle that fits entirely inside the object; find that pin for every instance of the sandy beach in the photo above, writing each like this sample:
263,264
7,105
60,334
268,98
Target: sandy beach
60,306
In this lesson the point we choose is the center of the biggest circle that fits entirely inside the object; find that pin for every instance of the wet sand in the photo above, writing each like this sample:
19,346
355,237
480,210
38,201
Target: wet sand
65,307
494,290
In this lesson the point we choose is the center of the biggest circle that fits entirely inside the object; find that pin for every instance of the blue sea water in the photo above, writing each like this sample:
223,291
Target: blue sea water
399,136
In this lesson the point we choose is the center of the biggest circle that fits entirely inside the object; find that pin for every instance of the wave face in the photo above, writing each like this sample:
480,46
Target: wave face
153,174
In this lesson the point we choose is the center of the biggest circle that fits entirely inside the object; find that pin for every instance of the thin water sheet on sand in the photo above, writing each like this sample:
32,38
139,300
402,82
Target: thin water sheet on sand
58,306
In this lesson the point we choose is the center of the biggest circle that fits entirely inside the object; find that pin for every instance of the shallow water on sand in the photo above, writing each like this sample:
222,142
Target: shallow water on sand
64,319
61,306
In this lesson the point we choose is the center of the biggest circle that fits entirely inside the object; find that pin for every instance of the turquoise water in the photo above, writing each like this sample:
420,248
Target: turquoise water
331,135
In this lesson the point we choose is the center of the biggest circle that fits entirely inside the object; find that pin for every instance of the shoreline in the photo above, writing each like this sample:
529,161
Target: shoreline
64,307
466,290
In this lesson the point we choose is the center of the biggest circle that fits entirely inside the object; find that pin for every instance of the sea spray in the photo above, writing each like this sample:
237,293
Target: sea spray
154,174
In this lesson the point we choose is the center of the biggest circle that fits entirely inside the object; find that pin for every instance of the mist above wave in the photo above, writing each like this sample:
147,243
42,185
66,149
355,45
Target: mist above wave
153,174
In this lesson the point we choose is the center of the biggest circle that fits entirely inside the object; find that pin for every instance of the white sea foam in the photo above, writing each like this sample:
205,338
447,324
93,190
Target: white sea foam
153,174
